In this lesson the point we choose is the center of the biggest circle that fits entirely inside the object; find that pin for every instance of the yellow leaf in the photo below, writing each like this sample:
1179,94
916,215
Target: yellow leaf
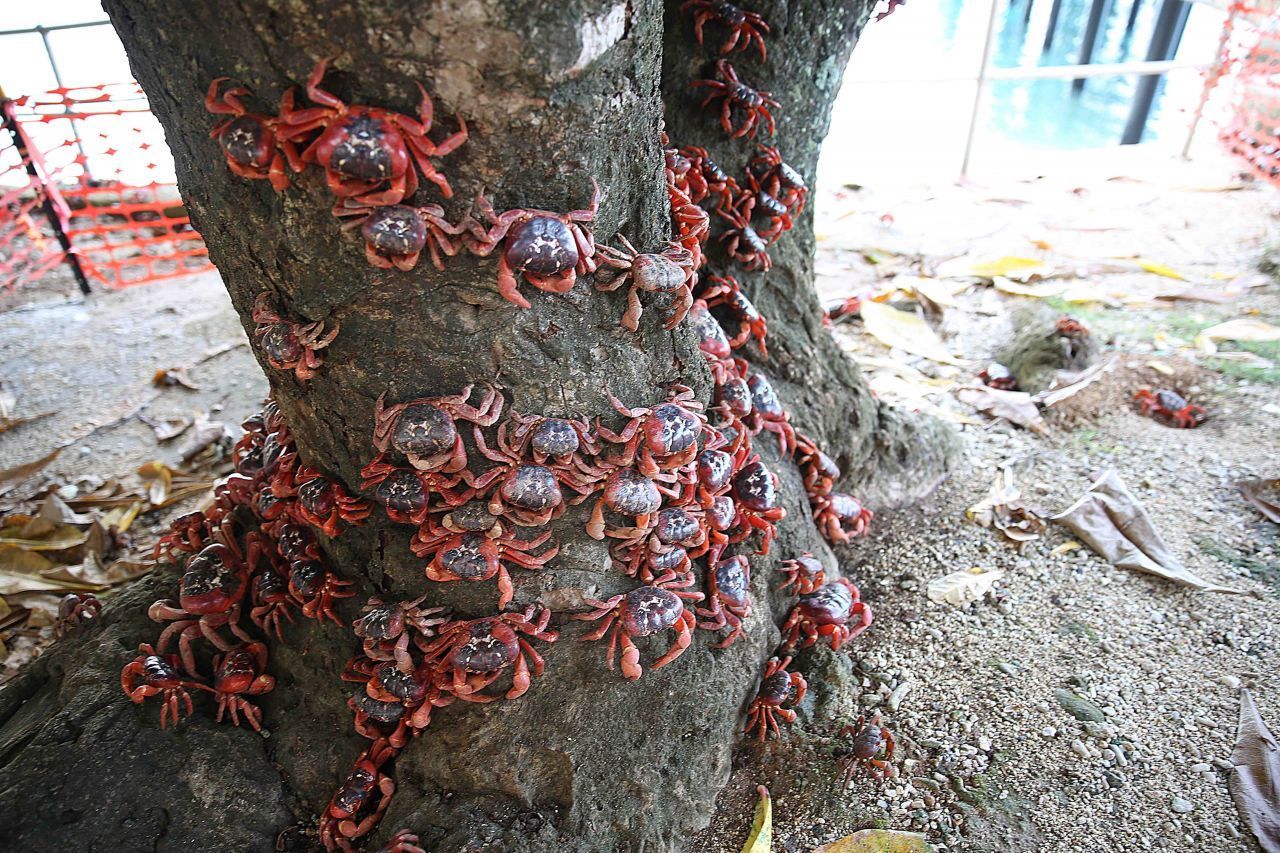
59,538
1037,290
1161,368
1239,329
1161,269
896,328
878,841
1065,548
761,838
157,479
121,517
1010,266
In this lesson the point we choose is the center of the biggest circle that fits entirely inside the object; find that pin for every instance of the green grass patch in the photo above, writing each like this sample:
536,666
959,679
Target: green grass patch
1268,573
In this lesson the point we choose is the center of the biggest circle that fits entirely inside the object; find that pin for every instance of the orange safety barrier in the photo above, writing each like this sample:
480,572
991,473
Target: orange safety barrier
1250,56
91,161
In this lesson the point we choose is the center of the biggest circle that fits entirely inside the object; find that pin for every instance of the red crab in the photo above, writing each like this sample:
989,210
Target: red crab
705,177
368,153
711,337
387,629
550,250
676,536
629,493
272,603
187,534
556,442
806,573
742,242
777,688
406,493
724,290
745,28
670,272
358,805
395,234
662,438
840,517
480,556
833,611
755,491
644,611
473,654
868,739
819,470
850,306
715,469
316,588
403,841
527,495
728,597
248,140
893,4
289,345
778,179
753,105
692,222
159,677
426,430
74,610
240,673
393,703
325,504
996,375
1169,407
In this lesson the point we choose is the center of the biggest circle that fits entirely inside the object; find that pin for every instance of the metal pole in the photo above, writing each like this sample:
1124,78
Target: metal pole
1210,78
1163,45
10,123
1053,25
1133,16
57,76
1026,13
981,84
1097,11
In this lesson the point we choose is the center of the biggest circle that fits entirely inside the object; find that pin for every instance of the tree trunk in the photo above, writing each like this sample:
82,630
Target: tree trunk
554,95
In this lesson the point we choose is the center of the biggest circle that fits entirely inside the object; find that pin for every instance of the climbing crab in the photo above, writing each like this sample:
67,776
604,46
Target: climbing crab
869,738
805,573
325,504
752,104
395,234
1169,407
368,153
728,597
840,516
528,495
358,804
550,250
832,611
725,291
778,179
393,703
473,654
159,676
996,375
316,588
557,442
406,493
248,140
644,611
480,556
745,28
289,345
74,610
706,178
628,493
272,603
755,492
671,272
742,242
756,200
767,413
662,438
676,536
426,430
777,688
239,673
819,470
386,628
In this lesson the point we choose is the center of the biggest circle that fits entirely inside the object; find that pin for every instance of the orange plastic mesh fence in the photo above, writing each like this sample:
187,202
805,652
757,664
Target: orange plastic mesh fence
1251,59
100,155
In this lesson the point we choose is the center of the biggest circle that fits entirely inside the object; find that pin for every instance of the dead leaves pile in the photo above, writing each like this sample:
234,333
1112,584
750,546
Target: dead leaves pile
1004,510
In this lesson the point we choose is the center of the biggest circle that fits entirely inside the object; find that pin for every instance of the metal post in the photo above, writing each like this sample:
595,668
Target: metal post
9,120
1026,13
57,76
1164,43
1133,16
1053,25
981,85
1097,11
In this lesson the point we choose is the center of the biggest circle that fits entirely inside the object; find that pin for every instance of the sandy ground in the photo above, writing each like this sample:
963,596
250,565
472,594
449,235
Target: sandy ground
988,757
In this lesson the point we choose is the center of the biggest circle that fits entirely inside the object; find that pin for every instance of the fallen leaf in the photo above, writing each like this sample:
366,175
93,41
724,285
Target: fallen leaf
1255,776
878,841
170,377
1161,368
1264,494
1065,548
11,477
1009,266
21,571
960,588
905,331
157,480
1111,521
1055,394
1004,510
7,423
167,429
120,518
204,434
1015,406
760,839
1037,290
59,537
1239,329
1160,269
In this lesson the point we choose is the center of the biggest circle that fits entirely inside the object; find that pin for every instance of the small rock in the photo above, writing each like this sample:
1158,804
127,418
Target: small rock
1230,681
1200,768
1221,763
985,743
895,698
1081,709
1049,731
1078,747
1113,779
1006,667
1181,806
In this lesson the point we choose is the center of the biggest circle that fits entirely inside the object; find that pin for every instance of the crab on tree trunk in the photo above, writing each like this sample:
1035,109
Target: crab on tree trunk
540,772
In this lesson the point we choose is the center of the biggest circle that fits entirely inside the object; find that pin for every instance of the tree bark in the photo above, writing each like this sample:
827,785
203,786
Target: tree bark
554,95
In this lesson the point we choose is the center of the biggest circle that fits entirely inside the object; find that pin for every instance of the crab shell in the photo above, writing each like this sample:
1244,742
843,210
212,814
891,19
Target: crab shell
395,230
830,604
248,141
402,491
628,492
670,430
763,398
380,621
647,610
555,437
657,273
755,487
777,689
735,396
465,558
425,431
363,147
733,581
541,245
675,526
281,345
472,517
491,646
209,584
715,469
531,487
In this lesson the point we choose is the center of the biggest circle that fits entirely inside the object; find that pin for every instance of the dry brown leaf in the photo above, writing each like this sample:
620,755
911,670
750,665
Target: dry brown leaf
1004,510
878,841
170,377
22,571
1014,406
1264,494
59,538
204,434
1111,521
1255,776
904,331
11,477
962,587
167,429
1074,384
157,480
1239,329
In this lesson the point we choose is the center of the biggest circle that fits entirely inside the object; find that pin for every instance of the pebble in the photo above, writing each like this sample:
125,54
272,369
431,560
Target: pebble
985,743
1078,747
1230,681
895,698
1006,668
1122,760
1113,779
1049,731
1200,768
1181,806
1221,763
1078,707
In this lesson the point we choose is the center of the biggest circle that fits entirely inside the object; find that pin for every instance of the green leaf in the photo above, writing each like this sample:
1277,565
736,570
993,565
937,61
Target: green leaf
878,841
761,838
